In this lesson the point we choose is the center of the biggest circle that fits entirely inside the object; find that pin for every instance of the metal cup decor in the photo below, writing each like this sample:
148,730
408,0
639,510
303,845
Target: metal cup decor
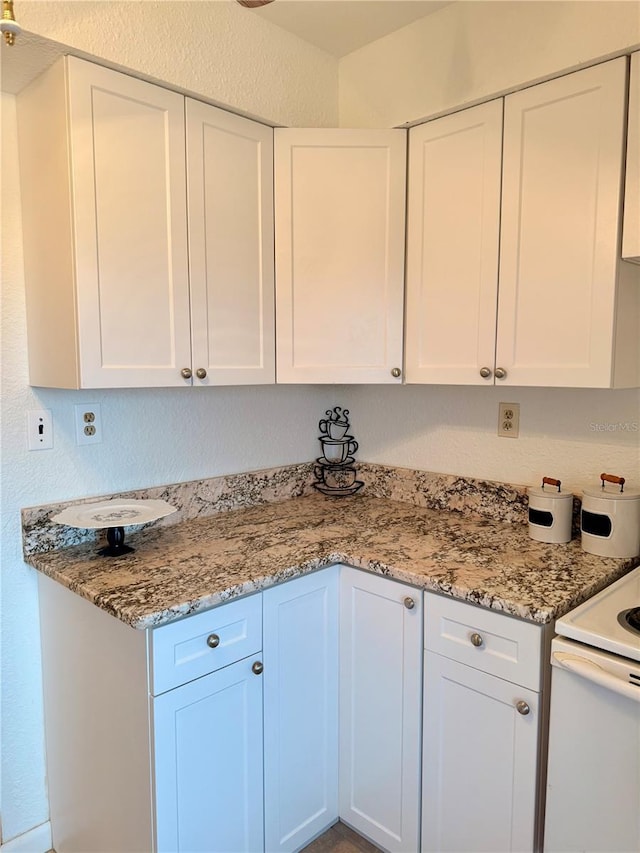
335,470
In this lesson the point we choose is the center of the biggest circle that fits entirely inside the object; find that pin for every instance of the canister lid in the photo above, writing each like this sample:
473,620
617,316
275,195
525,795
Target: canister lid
611,493
549,492
612,488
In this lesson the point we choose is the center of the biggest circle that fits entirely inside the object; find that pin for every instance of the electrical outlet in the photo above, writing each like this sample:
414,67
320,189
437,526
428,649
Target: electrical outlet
39,430
508,420
88,423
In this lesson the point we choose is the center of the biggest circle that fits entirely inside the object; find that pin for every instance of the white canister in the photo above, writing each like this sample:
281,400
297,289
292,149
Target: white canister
550,512
610,520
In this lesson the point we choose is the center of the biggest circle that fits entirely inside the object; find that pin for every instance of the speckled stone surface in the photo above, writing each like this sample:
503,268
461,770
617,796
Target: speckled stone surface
182,569
193,499
202,498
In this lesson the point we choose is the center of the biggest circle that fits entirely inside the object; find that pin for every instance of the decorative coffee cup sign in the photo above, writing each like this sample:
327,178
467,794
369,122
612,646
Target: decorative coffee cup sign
335,470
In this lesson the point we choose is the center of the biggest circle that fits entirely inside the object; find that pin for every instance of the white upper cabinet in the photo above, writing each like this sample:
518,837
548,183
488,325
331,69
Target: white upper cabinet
452,246
559,255
104,183
105,229
567,306
340,212
230,191
631,222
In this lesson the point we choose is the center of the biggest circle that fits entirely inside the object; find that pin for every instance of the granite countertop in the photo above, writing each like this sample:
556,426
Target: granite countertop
182,569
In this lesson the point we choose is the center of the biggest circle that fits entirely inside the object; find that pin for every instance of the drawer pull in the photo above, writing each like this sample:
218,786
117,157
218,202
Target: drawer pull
476,640
257,668
522,708
409,603
213,640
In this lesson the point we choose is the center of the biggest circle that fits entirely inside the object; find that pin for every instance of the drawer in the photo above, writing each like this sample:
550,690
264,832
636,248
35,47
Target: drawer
197,645
491,642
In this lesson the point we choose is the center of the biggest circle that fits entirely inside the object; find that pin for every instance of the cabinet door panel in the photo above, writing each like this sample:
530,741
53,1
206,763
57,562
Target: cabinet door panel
380,690
560,215
452,245
479,769
230,166
128,170
208,756
340,197
301,709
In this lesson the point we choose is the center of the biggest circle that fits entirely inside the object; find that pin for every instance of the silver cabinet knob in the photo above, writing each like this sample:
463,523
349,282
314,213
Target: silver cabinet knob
396,372
476,640
485,372
522,708
257,668
201,373
213,640
186,373
500,373
409,603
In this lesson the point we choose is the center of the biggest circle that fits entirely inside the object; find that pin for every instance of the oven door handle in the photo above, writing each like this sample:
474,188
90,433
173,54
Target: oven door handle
591,671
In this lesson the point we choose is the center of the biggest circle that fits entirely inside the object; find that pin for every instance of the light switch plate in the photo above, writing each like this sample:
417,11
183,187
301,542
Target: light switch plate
39,429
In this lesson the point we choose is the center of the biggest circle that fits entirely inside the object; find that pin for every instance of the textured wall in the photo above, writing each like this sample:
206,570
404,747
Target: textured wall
244,62
572,434
470,51
215,49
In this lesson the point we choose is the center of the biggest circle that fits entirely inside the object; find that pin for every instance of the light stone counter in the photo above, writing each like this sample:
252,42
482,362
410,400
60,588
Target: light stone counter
180,569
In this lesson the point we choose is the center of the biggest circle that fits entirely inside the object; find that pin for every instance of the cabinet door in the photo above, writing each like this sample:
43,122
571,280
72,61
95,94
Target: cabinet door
631,222
207,739
452,246
129,200
380,700
340,199
230,186
563,144
479,767
300,709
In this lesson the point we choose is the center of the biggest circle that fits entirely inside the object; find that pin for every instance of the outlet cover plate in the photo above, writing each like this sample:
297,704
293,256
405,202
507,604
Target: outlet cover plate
88,417
508,420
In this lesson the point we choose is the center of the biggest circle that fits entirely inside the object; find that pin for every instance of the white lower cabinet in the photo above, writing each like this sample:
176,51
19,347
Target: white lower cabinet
300,709
480,754
254,726
481,732
380,689
207,738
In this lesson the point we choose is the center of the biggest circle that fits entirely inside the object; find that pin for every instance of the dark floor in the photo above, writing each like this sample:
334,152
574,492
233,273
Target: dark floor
340,839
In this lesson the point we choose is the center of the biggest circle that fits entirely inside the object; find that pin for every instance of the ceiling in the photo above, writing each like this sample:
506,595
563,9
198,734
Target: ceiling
336,26
342,26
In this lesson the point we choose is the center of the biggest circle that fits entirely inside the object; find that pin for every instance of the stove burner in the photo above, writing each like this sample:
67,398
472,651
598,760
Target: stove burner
630,619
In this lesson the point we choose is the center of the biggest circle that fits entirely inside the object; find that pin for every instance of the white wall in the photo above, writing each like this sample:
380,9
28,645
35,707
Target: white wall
572,434
150,437
216,49
245,62
470,51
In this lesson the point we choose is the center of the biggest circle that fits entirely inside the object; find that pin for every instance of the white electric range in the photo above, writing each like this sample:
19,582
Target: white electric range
593,781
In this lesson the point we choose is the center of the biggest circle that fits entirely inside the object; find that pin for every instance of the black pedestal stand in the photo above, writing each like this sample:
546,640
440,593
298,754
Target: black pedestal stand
116,546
